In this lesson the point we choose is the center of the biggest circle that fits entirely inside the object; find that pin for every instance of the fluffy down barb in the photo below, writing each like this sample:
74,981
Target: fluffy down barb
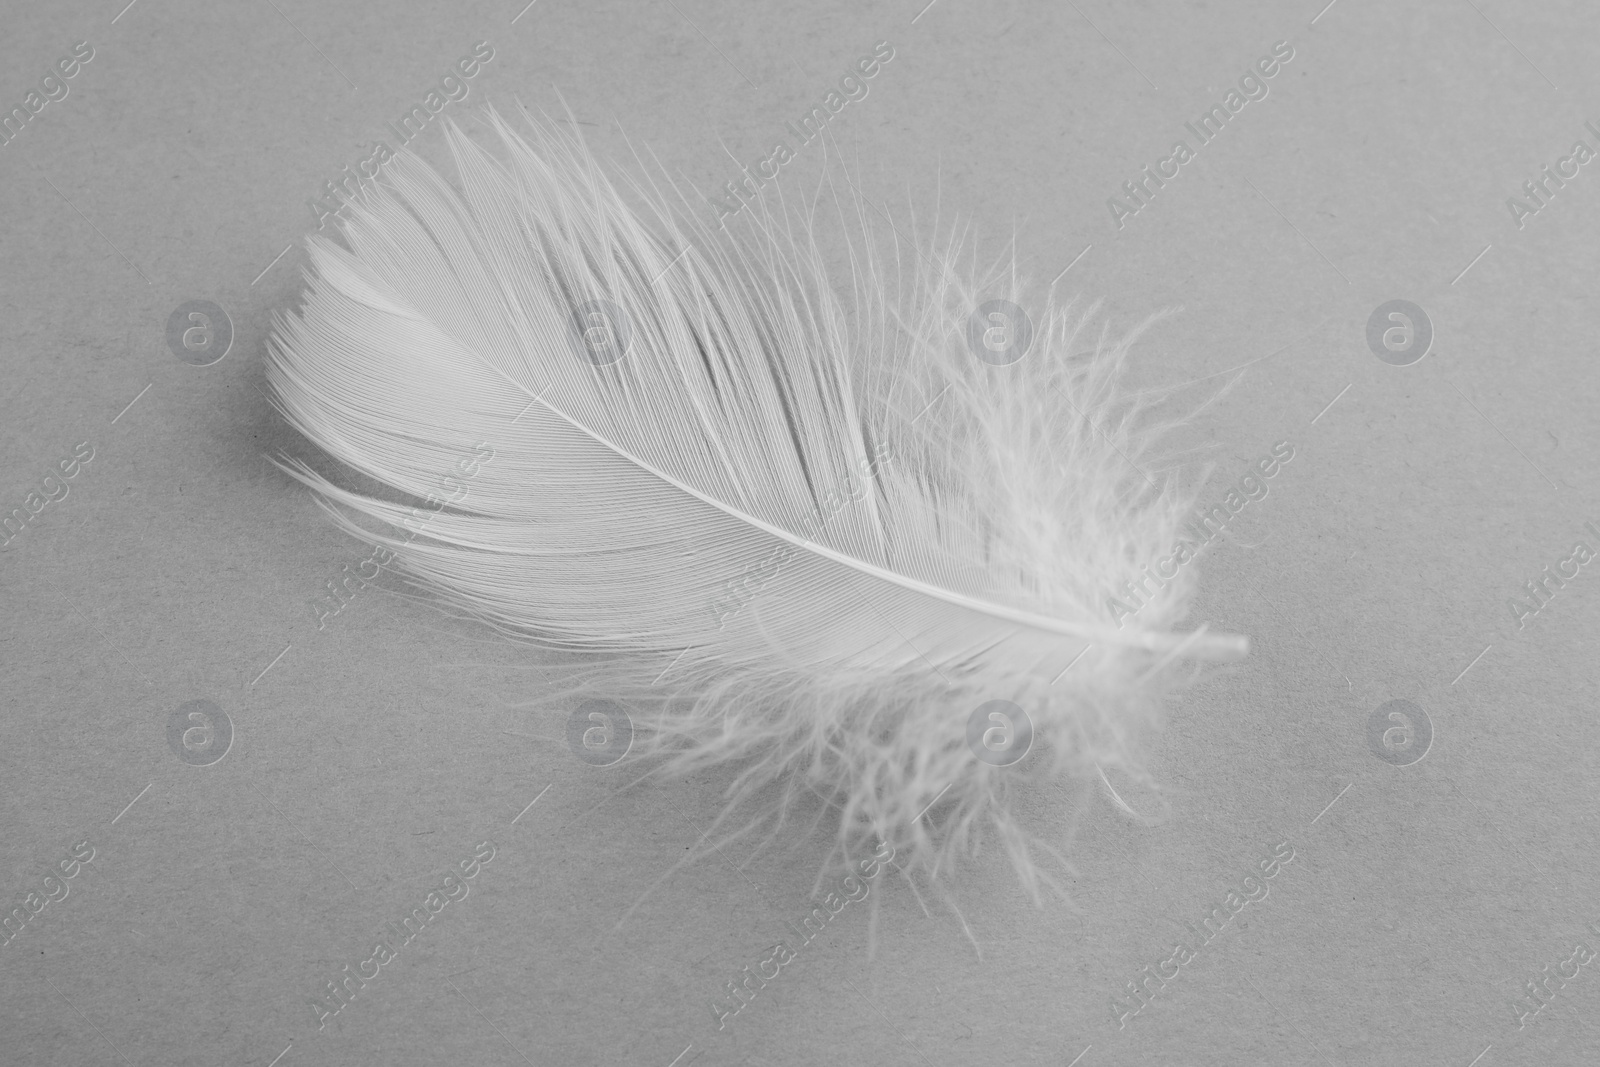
792,525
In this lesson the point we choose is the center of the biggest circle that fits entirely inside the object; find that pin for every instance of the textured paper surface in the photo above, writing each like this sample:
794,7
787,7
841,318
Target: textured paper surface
371,752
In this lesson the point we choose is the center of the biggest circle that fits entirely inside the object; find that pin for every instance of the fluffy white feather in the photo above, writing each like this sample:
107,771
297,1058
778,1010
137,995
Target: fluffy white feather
805,529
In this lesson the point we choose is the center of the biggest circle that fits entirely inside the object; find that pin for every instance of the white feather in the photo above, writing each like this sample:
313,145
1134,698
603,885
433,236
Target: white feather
626,503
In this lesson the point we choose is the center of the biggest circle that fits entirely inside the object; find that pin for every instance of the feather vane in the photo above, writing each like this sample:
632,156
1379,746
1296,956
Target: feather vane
800,523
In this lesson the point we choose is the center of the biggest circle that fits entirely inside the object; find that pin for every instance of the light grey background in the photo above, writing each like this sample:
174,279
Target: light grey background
372,754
